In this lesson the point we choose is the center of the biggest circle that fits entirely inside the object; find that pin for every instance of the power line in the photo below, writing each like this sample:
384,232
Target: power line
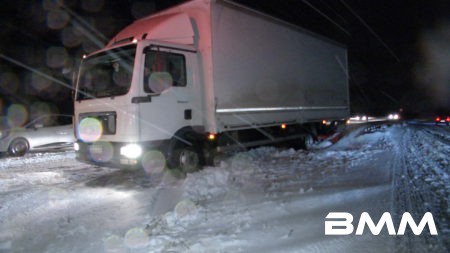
371,30
51,78
327,17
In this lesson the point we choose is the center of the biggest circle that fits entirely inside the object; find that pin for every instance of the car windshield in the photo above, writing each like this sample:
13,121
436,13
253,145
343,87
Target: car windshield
106,74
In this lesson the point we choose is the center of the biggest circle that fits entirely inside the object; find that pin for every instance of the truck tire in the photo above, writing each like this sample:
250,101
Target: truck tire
185,153
18,147
185,158
308,141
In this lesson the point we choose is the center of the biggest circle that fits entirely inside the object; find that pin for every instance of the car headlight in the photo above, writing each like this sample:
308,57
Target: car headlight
131,151
393,116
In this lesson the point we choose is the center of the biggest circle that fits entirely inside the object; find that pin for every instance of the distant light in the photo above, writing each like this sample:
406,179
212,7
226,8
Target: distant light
211,136
324,122
135,41
393,116
447,119
131,151
76,146
438,119
84,56
283,126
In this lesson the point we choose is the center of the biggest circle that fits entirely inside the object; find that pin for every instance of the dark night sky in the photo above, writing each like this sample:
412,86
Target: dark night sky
398,50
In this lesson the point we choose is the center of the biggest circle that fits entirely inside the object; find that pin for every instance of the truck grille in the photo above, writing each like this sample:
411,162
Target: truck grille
107,119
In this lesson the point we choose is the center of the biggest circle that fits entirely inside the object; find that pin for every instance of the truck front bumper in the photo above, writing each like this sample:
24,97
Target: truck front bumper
117,154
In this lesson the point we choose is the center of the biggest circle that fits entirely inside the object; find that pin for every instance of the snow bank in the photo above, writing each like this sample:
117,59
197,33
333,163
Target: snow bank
264,200
206,184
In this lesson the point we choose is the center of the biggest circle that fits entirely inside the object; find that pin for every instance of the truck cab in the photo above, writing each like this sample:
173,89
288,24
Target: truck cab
135,97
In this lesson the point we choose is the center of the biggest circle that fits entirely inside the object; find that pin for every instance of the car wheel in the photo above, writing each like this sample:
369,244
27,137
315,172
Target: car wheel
18,147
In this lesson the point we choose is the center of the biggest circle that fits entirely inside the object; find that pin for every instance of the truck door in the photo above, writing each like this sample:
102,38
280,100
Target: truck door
167,83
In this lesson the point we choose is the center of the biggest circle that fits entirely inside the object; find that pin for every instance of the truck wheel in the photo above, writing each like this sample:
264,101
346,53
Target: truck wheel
186,159
308,141
18,147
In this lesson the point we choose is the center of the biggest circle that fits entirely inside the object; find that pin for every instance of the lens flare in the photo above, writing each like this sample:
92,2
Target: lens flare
17,115
9,82
101,151
56,57
39,109
90,129
57,19
113,244
71,37
40,83
153,162
136,238
185,209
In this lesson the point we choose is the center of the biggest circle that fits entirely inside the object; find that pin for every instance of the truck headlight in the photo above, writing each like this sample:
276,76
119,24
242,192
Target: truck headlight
131,151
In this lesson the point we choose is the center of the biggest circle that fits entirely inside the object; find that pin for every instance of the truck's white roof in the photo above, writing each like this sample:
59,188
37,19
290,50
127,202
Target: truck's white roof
175,28
171,25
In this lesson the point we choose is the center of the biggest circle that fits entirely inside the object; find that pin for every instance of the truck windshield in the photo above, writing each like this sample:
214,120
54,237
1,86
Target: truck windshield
106,74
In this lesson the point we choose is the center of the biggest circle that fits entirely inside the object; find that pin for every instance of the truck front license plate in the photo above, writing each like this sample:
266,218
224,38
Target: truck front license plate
96,149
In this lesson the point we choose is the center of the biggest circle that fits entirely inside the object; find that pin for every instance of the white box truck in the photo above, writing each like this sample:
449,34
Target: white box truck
203,76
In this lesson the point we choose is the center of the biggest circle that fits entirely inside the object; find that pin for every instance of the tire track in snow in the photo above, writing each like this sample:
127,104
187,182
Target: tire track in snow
414,192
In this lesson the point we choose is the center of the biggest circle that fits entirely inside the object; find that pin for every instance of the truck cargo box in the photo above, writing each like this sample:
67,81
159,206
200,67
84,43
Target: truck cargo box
267,71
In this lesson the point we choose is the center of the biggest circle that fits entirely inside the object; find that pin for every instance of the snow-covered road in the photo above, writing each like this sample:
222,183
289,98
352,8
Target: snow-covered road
264,200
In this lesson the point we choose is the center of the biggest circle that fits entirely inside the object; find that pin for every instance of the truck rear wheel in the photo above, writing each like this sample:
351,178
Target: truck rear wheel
307,141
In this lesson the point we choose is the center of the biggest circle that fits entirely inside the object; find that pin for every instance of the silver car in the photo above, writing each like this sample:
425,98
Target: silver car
43,133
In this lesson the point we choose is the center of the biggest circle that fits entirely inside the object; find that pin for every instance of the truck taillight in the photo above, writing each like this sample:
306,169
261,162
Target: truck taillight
438,119
447,119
